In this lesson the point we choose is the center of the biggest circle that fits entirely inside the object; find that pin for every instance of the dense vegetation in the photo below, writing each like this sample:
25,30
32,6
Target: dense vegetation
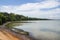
7,17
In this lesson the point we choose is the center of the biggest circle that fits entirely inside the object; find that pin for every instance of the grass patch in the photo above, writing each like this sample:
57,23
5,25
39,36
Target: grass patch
13,24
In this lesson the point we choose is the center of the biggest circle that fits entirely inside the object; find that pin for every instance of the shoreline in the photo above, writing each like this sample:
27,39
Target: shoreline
25,34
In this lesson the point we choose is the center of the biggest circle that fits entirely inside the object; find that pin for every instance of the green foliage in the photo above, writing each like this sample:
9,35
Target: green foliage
5,17
0,21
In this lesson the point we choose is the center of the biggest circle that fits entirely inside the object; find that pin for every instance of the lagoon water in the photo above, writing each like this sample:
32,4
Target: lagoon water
43,29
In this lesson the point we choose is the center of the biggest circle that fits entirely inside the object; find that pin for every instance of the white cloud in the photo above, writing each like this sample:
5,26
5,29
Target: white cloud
34,9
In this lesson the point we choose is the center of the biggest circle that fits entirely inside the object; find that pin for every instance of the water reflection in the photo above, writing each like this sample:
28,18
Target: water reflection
43,30
49,30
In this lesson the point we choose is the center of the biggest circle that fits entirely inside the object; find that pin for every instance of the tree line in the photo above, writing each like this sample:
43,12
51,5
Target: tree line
7,17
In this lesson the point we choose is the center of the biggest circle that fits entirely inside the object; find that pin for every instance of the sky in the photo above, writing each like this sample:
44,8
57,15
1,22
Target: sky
32,8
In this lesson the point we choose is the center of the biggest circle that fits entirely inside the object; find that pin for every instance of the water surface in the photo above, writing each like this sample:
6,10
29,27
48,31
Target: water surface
43,29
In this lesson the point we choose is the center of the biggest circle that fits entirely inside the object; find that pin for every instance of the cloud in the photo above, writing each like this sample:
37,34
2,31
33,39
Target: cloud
34,9
48,9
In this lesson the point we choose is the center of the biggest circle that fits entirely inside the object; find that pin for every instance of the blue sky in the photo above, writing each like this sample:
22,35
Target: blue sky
17,2
32,8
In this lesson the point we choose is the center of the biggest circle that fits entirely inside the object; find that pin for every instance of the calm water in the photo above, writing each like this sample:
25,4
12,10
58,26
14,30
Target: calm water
43,30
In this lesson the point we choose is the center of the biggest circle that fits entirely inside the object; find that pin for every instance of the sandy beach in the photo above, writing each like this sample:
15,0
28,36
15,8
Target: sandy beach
7,34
